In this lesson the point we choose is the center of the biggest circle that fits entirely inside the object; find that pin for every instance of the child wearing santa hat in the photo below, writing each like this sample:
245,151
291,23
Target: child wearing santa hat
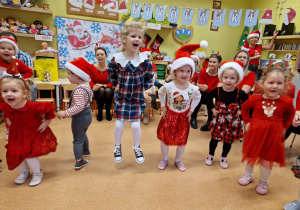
178,100
255,49
226,124
79,72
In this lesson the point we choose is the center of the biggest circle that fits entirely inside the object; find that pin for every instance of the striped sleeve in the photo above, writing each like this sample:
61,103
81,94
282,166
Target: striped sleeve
79,101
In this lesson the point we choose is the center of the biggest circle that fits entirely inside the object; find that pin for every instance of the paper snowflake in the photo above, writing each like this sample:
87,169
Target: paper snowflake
107,50
59,22
63,51
96,28
61,39
90,56
62,64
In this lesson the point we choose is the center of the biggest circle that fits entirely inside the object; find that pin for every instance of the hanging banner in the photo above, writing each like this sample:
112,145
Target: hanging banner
251,17
187,16
219,17
235,16
160,13
203,15
136,10
148,11
173,14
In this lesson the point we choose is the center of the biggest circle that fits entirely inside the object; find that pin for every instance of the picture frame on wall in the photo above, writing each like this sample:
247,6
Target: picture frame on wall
217,4
213,28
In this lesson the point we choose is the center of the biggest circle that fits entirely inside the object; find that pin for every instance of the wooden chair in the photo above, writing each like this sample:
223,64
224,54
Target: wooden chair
67,88
48,87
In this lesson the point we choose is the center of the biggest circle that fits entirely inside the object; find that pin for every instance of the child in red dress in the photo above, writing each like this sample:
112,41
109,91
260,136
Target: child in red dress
30,136
264,138
182,98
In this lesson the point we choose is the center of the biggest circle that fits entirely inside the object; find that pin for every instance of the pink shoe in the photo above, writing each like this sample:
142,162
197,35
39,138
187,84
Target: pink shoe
223,162
163,164
180,166
6,134
245,179
209,160
262,187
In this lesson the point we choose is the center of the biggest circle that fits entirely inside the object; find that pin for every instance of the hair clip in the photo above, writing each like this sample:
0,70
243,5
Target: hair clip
213,53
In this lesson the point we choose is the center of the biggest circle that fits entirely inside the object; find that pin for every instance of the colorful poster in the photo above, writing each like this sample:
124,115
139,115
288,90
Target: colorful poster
219,17
235,16
148,11
78,38
187,16
251,17
160,13
136,10
203,15
173,14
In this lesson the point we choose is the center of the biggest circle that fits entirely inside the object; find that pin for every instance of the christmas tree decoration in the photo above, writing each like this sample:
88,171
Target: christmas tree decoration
203,16
173,14
107,4
187,16
288,17
183,34
219,17
122,7
235,16
156,44
148,11
267,17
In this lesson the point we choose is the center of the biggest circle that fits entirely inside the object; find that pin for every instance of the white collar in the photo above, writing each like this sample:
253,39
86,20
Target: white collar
120,58
207,71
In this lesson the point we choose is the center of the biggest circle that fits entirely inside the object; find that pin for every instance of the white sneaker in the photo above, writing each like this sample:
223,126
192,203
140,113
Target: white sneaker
36,179
139,156
21,179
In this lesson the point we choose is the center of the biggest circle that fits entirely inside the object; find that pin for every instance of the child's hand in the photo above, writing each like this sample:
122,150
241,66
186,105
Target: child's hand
283,132
238,113
214,112
189,115
8,122
296,121
146,94
43,126
61,114
247,127
164,112
96,87
204,88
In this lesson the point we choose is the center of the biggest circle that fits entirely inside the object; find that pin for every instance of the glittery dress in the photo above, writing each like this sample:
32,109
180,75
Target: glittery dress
265,139
174,128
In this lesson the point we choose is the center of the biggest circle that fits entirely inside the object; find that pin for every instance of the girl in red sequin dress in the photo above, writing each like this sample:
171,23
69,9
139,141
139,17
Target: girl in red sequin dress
264,138
178,101
30,136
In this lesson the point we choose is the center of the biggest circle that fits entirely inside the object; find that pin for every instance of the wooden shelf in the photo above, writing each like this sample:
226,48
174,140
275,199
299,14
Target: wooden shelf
288,51
282,37
168,27
27,9
24,35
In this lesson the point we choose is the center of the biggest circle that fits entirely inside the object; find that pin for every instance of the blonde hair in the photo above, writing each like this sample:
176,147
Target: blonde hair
128,27
237,74
246,70
20,83
265,76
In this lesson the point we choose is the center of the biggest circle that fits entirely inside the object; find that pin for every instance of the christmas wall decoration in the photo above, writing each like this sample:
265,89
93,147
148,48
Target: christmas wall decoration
183,34
136,9
251,17
147,39
173,14
81,37
187,16
156,44
235,16
288,17
219,17
203,16
123,7
267,17
160,13
244,36
148,11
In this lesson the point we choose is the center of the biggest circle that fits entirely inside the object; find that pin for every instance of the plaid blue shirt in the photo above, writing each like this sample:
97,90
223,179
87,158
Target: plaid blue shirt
25,58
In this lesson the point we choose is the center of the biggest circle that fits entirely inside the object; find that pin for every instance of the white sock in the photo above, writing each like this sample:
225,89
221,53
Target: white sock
179,153
248,169
164,150
264,173
34,164
119,132
136,133
23,167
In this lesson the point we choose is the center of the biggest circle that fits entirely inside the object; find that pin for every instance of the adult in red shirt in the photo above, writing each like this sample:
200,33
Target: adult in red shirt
103,90
207,81
295,127
255,49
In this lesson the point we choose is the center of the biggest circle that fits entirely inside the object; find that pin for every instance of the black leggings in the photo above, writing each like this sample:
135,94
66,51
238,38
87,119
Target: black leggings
290,130
202,101
104,96
213,145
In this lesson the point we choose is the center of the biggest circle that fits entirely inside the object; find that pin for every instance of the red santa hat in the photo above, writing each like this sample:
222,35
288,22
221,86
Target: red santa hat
196,57
4,39
288,17
254,34
176,94
81,68
122,7
183,56
107,4
267,17
236,65
246,46
77,24
146,51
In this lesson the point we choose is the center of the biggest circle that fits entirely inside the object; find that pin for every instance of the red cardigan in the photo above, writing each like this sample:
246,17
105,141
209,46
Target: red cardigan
211,81
99,77
247,80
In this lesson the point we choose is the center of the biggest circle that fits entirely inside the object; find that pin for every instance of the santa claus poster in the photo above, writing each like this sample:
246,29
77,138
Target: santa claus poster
78,38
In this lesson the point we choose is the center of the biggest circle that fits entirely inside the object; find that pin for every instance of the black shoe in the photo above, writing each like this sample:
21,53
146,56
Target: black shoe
108,116
193,123
139,156
99,116
205,127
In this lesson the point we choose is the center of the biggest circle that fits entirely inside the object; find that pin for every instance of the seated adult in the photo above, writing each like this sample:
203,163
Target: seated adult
295,127
103,90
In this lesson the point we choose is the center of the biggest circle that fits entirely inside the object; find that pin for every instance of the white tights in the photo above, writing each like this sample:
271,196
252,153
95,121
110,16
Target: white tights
33,163
264,172
136,132
165,150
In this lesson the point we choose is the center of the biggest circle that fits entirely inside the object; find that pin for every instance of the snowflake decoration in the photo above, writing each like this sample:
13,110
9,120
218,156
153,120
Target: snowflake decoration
229,117
63,51
120,25
107,50
59,22
90,56
61,39
96,28
62,64
221,119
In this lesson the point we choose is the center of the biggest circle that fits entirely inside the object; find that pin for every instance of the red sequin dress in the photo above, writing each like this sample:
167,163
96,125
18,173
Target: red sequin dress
24,140
174,128
265,139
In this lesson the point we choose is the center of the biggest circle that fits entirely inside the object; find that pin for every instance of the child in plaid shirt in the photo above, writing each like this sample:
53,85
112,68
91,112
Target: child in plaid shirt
131,73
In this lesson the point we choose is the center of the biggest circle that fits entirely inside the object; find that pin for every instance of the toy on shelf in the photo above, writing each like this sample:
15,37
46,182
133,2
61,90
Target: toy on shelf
4,27
11,2
23,29
38,24
33,29
45,31
46,48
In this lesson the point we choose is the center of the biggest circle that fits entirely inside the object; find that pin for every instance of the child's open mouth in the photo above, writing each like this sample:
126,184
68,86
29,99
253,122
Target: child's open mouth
11,99
135,45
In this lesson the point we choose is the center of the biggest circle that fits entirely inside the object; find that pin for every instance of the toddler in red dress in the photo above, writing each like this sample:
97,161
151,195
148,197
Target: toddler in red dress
30,136
264,138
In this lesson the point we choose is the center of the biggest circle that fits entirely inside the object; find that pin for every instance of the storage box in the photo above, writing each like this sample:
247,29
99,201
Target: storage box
263,63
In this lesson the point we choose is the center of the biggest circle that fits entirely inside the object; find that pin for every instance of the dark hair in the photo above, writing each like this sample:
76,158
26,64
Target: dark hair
100,48
7,33
217,56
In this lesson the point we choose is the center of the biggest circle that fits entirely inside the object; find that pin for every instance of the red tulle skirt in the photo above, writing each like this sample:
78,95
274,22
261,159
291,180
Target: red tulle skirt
174,128
264,143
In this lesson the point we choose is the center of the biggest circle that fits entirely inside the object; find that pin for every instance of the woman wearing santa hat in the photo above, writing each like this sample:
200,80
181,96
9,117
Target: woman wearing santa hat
255,49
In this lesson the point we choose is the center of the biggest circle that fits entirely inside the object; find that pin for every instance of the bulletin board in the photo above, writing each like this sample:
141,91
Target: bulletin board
93,8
